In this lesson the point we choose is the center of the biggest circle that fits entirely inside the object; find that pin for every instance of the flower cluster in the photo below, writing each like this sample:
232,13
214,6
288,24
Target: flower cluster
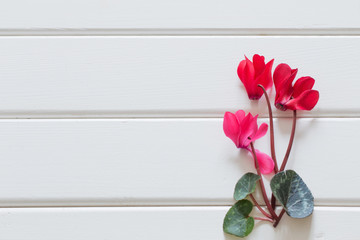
299,96
243,130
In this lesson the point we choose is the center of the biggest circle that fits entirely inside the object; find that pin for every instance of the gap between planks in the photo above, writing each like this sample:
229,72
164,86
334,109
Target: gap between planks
175,118
161,206
183,32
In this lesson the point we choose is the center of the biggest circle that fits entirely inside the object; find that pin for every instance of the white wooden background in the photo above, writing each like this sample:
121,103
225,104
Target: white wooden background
111,115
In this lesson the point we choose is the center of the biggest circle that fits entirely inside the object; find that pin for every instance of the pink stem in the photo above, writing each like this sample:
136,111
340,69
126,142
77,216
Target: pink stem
280,216
272,137
271,210
259,207
263,219
290,143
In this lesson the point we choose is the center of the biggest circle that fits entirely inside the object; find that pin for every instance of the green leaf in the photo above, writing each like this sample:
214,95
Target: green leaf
293,194
245,185
237,221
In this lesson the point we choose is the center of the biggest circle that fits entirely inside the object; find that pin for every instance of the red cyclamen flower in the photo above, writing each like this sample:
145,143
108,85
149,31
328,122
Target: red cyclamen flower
253,73
243,130
297,97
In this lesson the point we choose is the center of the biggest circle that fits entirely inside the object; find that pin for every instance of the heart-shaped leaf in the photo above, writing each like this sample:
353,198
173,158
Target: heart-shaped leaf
293,194
245,185
237,221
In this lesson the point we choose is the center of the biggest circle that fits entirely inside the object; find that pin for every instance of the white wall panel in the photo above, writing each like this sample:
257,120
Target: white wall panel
164,76
175,223
154,78
162,162
186,14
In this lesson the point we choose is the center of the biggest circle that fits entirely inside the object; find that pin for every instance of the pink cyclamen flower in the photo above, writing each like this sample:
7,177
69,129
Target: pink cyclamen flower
253,73
299,96
242,130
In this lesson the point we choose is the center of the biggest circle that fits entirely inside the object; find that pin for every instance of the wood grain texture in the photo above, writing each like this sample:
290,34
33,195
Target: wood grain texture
170,175
186,14
176,223
164,76
162,162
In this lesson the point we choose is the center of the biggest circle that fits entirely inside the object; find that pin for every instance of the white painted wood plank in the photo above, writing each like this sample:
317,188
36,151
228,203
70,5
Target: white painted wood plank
163,76
162,14
162,162
176,223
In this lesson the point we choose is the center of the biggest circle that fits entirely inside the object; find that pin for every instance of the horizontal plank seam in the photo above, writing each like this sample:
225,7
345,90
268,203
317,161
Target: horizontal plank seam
180,31
158,206
164,118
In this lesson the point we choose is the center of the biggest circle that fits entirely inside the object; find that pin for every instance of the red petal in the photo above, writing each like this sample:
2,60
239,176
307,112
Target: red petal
285,90
306,101
282,72
293,74
248,127
240,70
246,73
231,127
259,64
240,115
265,78
260,132
303,84
266,163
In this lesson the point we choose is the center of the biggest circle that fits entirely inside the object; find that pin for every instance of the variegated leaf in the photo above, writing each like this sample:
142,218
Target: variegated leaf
291,191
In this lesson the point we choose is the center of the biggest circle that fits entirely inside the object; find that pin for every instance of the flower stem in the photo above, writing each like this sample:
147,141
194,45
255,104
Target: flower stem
273,201
280,216
272,138
272,141
259,207
264,219
290,143
263,191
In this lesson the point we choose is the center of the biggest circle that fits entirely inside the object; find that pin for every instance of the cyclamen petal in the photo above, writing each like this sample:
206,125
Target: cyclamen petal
259,64
306,101
231,127
263,78
242,129
281,73
266,163
303,84
249,69
240,70
261,131
285,89
253,73
244,75
299,96
240,115
248,127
